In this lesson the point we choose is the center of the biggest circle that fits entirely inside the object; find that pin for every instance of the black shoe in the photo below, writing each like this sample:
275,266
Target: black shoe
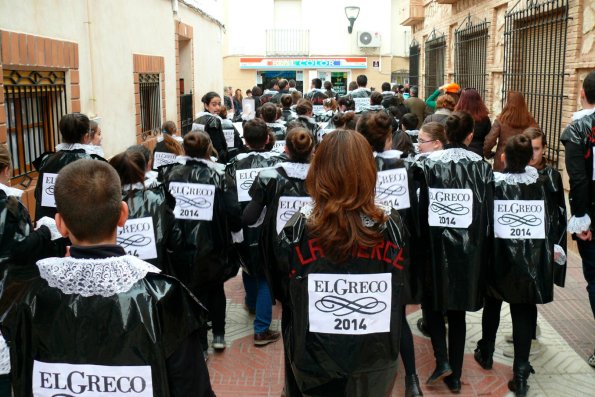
412,388
454,384
421,326
483,358
219,342
442,370
518,383
266,337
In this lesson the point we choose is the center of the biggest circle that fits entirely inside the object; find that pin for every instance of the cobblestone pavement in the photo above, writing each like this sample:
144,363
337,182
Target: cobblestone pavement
567,338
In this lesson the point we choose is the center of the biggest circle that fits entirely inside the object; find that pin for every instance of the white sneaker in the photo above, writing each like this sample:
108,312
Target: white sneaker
591,360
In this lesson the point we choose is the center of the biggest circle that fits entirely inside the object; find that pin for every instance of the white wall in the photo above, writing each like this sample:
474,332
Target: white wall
118,30
246,23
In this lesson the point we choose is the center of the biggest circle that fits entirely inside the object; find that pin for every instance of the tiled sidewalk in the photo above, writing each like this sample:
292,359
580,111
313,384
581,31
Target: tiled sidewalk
568,336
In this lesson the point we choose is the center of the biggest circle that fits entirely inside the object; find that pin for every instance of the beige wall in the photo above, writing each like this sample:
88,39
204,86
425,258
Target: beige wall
116,30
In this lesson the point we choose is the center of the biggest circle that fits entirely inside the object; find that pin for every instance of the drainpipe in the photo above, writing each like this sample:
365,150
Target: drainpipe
174,7
92,111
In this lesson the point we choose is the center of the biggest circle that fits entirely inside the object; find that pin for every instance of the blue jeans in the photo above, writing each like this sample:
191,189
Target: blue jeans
587,251
258,297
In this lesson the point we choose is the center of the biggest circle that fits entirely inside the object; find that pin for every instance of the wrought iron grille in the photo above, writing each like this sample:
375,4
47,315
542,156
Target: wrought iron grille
534,60
471,41
35,102
435,51
150,102
414,64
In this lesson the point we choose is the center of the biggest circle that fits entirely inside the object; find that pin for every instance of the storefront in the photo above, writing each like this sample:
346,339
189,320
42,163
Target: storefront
336,70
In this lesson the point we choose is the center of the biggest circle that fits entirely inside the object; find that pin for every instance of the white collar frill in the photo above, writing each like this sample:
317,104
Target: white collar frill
94,277
295,170
89,149
454,155
307,209
11,191
528,177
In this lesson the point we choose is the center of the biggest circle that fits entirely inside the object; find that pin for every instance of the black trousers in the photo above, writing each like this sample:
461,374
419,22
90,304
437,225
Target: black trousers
406,348
291,387
214,300
455,353
524,321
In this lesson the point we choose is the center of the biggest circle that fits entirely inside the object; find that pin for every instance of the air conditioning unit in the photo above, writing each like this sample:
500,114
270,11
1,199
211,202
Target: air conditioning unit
368,39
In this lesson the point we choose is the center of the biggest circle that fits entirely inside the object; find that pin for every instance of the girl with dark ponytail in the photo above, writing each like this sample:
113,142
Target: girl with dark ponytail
455,201
168,147
146,210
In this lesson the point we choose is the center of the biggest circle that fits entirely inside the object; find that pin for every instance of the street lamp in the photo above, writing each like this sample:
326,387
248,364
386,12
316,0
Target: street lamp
351,13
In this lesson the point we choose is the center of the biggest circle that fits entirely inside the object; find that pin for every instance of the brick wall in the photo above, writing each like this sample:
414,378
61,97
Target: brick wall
30,52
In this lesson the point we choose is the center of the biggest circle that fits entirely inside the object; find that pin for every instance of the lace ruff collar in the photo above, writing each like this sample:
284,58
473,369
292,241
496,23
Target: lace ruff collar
184,159
276,125
94,277
412,132
11,191
89,149
160,138
266,155
528,177
295,170
389,154
135,186
454,154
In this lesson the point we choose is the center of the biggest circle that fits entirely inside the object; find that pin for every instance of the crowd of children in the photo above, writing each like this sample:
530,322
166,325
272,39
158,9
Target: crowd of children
343,209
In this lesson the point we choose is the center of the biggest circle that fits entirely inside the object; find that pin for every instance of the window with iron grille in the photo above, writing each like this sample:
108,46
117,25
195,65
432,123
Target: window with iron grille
435,52
35,102
534,60
471,42
150,102
414,64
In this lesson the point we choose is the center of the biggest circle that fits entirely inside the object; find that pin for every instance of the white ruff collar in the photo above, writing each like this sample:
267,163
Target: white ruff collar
89,149
184,159
454,154
11,191
94,277
135,186
295,170
160,138
265,155
528,177
389,154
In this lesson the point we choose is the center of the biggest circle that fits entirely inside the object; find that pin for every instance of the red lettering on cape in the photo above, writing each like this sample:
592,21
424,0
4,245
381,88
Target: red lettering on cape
315,248
387,247
361,252
303,261
398,260
377,251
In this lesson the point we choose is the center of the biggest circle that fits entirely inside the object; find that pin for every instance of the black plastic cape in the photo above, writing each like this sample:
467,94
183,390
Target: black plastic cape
522,270
390,160
142,326
53,163
247,253
333,364
457,257
211,124
238,144
144,203
198,249
555,190
279,130
267,189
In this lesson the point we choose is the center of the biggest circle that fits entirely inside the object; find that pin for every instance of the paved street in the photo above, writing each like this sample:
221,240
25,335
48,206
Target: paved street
567,337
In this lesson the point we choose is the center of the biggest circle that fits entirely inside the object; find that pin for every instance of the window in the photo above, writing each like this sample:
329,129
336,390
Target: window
534,60
150,102
435,49
470,55
35,102
400,77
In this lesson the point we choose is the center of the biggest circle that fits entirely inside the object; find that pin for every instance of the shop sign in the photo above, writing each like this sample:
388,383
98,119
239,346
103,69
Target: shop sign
303,63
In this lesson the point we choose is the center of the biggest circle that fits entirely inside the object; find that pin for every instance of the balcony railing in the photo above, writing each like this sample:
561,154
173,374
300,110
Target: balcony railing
287,42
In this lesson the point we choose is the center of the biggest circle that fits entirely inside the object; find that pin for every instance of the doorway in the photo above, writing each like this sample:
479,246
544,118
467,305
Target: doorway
267,76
